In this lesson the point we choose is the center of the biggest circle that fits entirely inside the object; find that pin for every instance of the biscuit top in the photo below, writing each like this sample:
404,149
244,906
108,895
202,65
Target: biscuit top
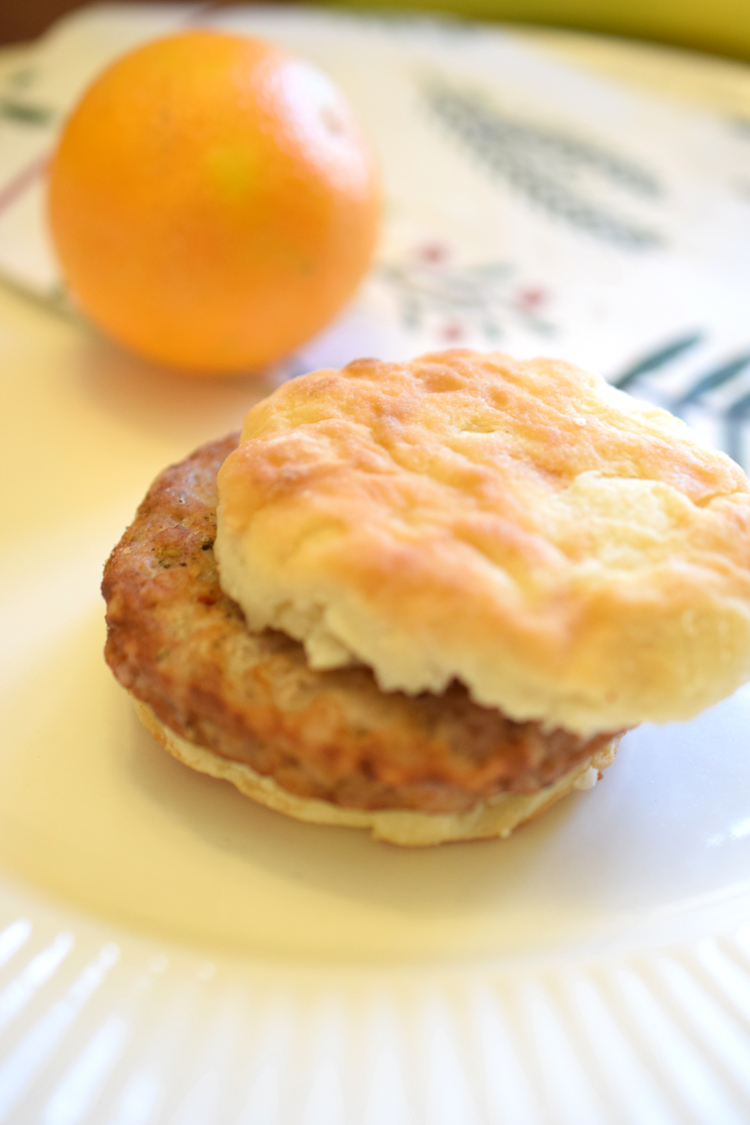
568,553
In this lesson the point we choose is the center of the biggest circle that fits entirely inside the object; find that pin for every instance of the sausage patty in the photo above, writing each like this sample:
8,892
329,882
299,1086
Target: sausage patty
180,645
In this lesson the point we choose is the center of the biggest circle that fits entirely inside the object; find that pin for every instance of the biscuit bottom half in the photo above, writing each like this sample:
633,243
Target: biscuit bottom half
406,827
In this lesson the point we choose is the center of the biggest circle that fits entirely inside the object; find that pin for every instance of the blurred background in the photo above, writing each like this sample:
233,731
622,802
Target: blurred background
720,27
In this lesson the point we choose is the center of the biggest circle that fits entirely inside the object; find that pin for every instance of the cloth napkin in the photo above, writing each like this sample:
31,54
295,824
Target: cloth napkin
531,206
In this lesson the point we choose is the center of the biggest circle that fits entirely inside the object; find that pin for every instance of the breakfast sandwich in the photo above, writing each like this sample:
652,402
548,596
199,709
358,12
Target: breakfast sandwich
427,598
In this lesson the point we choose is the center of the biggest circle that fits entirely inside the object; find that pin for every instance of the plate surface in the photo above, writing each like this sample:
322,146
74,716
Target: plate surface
170,953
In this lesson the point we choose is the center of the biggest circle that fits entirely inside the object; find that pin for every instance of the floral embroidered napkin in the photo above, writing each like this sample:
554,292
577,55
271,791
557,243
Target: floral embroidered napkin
530,205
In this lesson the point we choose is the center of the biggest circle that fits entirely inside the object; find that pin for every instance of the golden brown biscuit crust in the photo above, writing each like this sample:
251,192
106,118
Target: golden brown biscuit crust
568,553
181,646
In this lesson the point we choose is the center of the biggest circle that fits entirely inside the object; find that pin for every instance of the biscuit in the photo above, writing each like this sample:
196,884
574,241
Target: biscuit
180,646
569,554
405,827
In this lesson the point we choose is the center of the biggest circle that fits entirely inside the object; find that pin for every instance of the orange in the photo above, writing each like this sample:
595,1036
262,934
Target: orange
213,202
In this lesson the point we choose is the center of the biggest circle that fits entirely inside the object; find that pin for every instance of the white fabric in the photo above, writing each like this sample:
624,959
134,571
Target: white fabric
531,205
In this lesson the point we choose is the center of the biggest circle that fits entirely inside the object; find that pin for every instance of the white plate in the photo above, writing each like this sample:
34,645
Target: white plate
175,954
